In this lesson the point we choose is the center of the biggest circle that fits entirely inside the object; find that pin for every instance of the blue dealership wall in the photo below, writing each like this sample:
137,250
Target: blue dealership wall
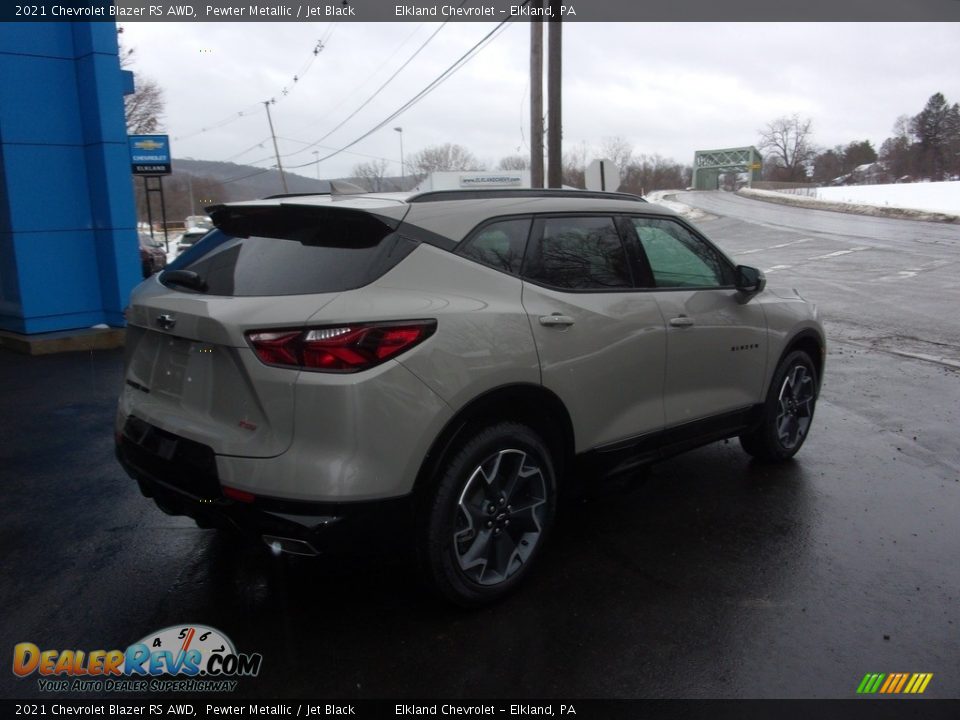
68,244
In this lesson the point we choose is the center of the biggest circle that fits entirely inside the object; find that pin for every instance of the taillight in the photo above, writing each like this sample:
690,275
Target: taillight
238,495
341,348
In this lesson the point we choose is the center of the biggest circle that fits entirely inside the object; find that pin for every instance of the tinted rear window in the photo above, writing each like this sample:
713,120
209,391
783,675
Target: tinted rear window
293,252
579,253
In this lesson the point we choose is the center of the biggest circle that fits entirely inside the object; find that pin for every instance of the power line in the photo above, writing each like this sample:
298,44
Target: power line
244,177
369,77
378,90
327,147
302,142
244,152
430,87
422,46
284,91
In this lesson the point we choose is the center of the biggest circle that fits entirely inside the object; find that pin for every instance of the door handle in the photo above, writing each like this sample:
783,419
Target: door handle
556,320
682,321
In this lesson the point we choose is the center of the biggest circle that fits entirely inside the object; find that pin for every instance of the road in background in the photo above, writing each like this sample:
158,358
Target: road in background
891,282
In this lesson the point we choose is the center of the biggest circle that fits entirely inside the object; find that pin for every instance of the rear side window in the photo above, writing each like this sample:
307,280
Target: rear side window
500,245
292,252
579,253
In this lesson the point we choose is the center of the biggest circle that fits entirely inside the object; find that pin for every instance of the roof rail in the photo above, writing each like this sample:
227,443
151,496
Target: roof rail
438,195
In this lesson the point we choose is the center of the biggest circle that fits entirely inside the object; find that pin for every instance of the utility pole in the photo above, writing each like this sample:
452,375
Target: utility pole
283,179
554,119
536,97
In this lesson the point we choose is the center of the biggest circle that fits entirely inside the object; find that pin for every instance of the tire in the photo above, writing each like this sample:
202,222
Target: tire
492,509
787,411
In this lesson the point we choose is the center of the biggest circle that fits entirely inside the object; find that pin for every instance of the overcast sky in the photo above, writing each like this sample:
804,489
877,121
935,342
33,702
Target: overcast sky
666,88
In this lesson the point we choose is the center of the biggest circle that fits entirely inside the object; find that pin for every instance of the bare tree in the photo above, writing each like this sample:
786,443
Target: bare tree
440,158
514,162
788,142
897,152
618,149
645,173
575,165
371,174
144,107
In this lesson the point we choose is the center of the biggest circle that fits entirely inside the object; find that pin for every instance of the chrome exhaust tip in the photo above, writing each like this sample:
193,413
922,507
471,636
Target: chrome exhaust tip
291,546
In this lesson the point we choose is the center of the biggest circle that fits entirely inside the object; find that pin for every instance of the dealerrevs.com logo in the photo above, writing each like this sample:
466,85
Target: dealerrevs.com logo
180,658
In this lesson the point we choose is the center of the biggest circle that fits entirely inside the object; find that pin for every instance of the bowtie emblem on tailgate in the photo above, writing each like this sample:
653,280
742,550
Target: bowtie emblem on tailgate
166,321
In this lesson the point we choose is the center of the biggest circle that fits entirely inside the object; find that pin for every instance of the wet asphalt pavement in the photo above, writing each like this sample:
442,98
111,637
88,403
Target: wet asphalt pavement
710,576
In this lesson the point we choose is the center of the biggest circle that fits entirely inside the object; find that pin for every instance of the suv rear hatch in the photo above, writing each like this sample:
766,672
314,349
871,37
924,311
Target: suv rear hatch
189,368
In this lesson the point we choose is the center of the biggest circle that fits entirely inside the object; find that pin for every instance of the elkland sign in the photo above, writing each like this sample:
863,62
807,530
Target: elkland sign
150,154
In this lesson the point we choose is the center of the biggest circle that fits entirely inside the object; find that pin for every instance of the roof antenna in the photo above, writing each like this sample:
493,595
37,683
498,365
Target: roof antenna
342,187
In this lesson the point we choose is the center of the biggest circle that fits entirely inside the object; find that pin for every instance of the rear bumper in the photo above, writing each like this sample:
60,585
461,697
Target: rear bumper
180,476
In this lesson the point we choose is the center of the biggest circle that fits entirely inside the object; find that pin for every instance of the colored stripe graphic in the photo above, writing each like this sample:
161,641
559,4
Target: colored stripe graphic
918,683
903,681
894,683
870,683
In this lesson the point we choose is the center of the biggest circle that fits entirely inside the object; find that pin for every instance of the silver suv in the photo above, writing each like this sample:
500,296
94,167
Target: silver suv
324,371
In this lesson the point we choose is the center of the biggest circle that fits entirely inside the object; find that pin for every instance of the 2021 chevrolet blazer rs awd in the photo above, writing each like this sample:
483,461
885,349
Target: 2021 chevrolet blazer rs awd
322,370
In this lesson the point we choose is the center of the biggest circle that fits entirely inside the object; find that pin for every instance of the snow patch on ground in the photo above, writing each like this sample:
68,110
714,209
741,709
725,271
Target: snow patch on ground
660,197
941,197
855,208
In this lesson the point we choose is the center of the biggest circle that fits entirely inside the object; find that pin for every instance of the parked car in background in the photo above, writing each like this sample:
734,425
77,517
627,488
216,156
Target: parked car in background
198,221
153,256
190,237
326,371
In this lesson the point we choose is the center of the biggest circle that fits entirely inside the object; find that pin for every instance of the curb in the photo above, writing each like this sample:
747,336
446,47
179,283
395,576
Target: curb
63,341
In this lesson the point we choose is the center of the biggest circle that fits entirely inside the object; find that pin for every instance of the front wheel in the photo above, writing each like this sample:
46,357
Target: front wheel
493,507
787,412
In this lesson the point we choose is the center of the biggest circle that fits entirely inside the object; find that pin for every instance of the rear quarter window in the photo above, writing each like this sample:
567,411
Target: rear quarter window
499,244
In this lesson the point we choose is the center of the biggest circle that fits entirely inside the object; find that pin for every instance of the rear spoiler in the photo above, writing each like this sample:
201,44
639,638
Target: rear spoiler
293,221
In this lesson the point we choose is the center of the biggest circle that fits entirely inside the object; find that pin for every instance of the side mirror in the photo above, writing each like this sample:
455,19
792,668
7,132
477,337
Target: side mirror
750,279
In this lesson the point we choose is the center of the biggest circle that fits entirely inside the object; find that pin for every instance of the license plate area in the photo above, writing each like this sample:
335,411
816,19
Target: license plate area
176,461
171,368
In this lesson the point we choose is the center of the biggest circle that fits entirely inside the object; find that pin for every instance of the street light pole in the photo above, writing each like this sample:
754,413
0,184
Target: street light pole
403,176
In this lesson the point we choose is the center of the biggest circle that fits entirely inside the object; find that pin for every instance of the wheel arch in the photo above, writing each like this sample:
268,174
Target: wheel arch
813,344
530,404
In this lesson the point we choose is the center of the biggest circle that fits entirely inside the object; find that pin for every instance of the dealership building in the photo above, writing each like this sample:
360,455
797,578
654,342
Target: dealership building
68,240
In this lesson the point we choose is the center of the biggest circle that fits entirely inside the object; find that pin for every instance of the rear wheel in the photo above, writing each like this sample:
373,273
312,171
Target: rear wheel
493,507
787,412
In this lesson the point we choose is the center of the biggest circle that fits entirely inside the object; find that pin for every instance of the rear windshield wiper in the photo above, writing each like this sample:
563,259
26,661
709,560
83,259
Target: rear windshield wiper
187,278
